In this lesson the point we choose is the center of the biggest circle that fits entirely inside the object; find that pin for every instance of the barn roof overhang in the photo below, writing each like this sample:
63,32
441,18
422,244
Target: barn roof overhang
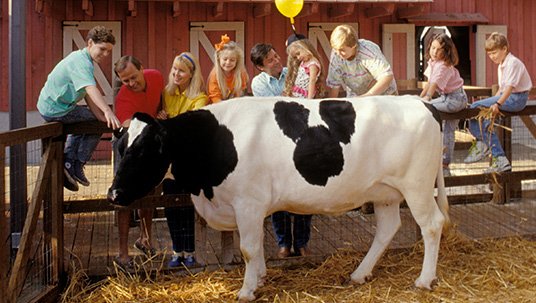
262,8
449,19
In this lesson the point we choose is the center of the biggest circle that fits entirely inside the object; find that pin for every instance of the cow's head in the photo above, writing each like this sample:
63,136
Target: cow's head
143,163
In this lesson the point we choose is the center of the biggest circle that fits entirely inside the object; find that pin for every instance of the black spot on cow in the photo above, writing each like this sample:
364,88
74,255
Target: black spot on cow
204,151
318,154
435,113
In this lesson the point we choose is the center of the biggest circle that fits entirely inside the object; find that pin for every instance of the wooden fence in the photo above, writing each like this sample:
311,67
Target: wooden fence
46,199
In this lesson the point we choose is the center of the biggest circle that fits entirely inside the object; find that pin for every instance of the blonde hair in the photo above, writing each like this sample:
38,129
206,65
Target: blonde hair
343,35
238,70
496,41
197,85
293,65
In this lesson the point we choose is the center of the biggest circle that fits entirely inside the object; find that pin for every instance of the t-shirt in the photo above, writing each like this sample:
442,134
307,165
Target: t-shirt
65,85
128,102
360,74
265,85
214,93
513,72
447,78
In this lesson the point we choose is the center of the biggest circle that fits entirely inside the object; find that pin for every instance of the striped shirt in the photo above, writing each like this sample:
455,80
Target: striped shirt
66,84
360,74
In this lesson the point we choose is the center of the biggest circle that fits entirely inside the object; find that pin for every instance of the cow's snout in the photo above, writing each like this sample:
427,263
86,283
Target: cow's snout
112,195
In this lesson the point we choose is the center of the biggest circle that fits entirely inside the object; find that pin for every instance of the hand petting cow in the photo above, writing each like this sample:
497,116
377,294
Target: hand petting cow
246,158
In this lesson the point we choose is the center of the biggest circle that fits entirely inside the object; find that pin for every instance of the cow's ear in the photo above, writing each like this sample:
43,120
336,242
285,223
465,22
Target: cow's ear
144,117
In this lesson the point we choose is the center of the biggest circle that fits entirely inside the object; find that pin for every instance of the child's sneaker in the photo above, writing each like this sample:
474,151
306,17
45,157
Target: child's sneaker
499,164
477,152
176,260
69,180
79,173
189,260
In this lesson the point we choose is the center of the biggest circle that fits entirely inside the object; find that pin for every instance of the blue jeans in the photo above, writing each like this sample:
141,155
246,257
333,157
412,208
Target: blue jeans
450,103
514,103
78,147
283,229
180,221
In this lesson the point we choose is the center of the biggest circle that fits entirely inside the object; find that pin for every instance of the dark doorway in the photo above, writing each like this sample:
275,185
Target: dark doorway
460,37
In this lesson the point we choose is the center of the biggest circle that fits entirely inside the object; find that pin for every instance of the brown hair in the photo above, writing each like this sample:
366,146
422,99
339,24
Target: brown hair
121,64
448,52
101,34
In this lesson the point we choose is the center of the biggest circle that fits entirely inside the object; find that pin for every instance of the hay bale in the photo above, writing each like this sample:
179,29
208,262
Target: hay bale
500,270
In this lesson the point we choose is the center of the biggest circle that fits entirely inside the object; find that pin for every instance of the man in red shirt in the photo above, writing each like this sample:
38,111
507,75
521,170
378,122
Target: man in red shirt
141,92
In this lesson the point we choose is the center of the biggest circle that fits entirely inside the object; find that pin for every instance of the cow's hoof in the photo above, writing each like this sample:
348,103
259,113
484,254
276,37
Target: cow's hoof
245,296
421,284
357,279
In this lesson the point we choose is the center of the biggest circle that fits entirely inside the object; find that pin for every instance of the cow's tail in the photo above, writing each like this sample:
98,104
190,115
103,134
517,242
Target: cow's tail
442,201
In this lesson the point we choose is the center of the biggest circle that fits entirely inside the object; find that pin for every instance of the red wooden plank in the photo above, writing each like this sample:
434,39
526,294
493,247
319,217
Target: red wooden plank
151,33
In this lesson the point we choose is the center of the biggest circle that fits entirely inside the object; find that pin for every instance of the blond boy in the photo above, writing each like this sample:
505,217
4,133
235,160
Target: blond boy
359,65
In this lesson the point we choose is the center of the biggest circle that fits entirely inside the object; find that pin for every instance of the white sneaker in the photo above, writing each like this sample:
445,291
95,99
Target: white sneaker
499,164
477,152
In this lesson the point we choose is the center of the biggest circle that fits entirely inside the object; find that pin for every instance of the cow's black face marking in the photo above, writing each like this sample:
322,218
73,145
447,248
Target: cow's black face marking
318,154
206,154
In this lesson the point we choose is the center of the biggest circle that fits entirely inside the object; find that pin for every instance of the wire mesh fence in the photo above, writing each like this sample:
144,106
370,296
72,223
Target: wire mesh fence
90,238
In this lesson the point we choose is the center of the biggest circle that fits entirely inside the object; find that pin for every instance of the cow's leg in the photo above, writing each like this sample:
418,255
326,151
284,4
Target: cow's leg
251,229
388,223
430,220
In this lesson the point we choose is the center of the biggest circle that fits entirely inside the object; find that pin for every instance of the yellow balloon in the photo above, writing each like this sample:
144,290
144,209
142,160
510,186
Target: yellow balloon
289,8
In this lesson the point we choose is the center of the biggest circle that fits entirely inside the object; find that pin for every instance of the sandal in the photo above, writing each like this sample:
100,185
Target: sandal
150,253
125,266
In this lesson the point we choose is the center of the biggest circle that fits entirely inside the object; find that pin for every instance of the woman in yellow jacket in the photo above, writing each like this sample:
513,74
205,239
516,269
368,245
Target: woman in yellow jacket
185,91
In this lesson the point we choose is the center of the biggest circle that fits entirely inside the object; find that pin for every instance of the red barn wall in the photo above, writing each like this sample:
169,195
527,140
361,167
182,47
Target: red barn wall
156,37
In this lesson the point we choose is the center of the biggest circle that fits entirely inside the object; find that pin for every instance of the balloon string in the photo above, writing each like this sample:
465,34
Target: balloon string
292,24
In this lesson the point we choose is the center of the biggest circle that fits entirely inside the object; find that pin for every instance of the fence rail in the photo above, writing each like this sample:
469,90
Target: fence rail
47,200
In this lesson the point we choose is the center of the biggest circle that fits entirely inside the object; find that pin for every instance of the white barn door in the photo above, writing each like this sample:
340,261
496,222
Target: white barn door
389,52
73,40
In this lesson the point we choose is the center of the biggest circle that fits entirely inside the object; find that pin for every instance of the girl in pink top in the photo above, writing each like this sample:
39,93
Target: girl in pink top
305,73
444,78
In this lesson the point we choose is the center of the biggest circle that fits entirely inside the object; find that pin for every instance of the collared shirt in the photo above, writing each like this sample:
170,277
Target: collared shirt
265,85
66,84
513,72
178,103
447,78
360,74
128,102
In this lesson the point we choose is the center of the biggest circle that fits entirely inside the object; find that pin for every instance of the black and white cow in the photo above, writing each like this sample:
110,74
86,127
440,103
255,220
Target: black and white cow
246,158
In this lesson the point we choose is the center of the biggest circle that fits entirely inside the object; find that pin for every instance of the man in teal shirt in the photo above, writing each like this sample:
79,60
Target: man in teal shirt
68,83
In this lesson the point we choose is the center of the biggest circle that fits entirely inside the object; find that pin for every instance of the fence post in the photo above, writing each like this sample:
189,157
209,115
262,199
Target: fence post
4,240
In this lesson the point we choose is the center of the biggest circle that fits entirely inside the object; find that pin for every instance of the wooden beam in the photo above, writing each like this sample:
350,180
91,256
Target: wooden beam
132,8
262,10
380,11
338,10
20,267
87,7
412,11
218,10
176,9
5,260
308,10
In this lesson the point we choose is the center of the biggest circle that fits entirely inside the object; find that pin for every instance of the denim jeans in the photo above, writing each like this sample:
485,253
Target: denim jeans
282,224
450,103
514,103
180,221
78,147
